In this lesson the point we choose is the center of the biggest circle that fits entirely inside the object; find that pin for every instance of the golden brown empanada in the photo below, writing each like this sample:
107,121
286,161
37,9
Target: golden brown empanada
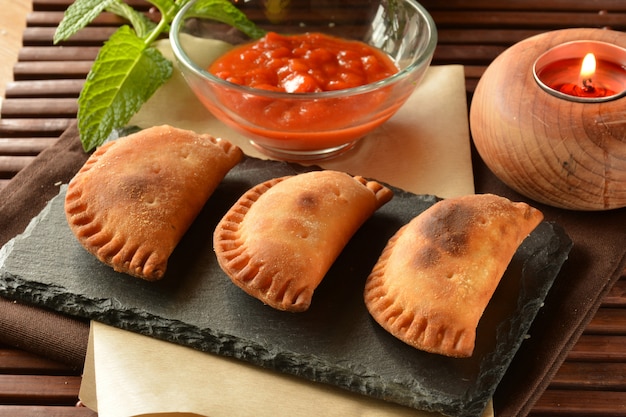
437,273
134,198
279,240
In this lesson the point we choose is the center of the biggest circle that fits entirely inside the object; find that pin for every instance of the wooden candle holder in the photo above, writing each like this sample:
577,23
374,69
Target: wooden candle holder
556,151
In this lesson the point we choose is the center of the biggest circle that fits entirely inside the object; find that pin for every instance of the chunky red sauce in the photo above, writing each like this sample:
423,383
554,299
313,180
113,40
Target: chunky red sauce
305,63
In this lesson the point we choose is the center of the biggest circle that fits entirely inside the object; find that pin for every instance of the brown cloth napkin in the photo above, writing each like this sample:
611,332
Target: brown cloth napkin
33,329
596,261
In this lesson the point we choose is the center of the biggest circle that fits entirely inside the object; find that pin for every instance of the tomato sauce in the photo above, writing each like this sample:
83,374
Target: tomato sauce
304,63
301,64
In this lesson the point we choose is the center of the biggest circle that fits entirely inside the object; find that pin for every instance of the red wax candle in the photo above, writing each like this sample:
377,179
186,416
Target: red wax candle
583,71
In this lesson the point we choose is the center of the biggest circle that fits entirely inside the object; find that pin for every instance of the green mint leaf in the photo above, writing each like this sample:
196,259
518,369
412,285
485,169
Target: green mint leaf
78,15
125,74
128,71
226,12
142,25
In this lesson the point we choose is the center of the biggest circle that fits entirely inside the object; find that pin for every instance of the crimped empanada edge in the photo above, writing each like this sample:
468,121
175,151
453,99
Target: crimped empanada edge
382,193
230,248
233,257
147,265
80,219
406,326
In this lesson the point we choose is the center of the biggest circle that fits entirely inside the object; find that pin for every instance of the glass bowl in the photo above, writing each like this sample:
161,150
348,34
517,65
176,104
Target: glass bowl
317,125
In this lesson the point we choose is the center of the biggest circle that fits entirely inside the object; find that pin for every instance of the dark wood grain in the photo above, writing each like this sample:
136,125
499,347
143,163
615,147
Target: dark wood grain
617,296
591,376
39,389
535,6
24,146
34,70
44,88
579,403
34,386
45,411
599,348
67,53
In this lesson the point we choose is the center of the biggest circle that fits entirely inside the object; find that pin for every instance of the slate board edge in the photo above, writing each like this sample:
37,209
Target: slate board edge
407,393
209,341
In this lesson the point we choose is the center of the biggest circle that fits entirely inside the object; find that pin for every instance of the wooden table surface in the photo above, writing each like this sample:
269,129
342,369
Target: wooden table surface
41,83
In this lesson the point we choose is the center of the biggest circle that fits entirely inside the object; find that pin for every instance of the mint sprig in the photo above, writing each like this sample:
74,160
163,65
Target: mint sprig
128,69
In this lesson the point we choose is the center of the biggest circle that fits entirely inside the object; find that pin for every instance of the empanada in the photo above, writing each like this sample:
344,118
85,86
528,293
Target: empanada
134,198
437,274
279,240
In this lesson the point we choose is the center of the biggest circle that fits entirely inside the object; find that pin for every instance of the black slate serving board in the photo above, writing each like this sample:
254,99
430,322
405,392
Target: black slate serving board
334,342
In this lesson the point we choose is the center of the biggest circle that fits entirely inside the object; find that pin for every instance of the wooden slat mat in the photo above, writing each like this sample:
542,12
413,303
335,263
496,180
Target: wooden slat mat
41,103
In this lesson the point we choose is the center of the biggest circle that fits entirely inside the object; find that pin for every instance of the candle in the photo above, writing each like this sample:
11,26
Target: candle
586,71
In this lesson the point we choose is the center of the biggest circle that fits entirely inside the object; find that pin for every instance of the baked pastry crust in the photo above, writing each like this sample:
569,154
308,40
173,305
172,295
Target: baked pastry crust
279,240
134,198
437,274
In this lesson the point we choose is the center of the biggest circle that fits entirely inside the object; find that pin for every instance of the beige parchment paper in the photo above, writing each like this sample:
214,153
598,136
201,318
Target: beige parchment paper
424,148
134,375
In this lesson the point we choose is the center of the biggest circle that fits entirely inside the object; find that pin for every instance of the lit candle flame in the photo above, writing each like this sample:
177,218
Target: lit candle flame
587,70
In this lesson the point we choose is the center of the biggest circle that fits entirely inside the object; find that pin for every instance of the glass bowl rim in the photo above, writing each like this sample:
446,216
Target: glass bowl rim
188,63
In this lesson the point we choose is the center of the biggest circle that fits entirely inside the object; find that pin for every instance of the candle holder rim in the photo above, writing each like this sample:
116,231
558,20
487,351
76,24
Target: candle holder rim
518,132
561,50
